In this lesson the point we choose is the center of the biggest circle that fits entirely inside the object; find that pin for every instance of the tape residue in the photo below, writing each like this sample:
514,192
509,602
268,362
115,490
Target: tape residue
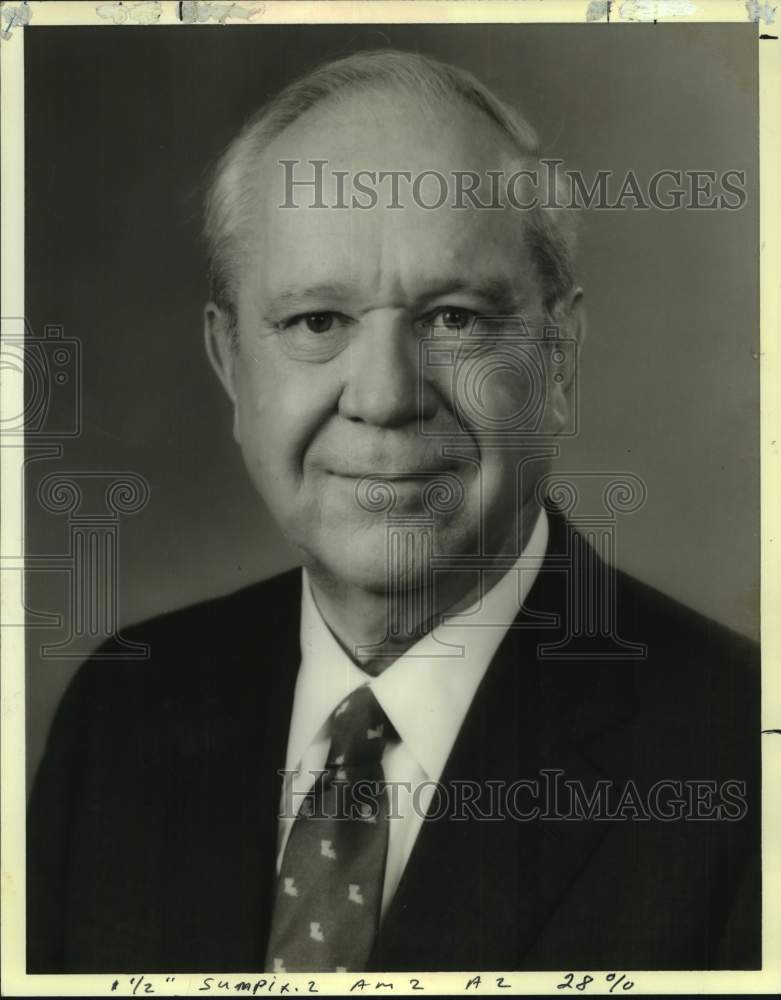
143,12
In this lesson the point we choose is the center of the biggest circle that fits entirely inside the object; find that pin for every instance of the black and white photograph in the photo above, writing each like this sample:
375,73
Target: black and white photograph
391,593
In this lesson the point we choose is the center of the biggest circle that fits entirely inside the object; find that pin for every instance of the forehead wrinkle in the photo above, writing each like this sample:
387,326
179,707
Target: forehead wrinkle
290,294
496,293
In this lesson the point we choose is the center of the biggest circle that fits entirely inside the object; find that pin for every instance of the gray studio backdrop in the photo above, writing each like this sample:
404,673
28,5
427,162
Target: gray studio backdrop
121,125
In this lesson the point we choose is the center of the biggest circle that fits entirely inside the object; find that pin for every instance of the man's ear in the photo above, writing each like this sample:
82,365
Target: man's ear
573,330
222,349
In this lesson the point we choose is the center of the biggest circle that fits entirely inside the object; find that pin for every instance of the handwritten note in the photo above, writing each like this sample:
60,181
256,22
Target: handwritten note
370,985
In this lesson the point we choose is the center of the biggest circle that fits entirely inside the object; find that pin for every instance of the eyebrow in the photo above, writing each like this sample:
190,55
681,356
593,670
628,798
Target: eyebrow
293,294
496,292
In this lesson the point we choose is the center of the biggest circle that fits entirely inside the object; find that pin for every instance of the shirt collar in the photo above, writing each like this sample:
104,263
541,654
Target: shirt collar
427,692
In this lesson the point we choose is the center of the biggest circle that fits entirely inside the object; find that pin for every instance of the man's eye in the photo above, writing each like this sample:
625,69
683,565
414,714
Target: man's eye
320,322
315,336
452,317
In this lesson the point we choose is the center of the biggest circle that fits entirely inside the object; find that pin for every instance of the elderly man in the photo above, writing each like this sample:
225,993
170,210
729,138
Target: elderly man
413,755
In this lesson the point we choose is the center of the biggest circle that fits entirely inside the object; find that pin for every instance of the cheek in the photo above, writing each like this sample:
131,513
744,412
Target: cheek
502,393
281,409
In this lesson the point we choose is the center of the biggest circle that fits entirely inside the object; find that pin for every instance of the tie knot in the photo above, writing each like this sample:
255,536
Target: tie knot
359,729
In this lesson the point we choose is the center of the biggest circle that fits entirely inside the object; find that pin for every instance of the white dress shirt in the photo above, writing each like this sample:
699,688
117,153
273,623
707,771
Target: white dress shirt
425,694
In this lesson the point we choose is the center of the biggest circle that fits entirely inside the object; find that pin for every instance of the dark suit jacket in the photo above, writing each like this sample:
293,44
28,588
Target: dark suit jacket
153,822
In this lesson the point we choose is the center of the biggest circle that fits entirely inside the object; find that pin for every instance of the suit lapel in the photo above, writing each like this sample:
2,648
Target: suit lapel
476,892
222,849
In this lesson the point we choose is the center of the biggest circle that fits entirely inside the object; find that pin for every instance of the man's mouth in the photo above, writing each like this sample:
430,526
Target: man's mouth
437,489
395,473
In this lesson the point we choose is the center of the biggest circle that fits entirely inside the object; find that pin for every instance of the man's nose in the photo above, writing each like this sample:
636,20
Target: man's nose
382,380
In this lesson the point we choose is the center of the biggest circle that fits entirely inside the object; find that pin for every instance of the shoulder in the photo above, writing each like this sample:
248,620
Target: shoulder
197,652
698,685
638,611
690,685
694,659
672,625
258,605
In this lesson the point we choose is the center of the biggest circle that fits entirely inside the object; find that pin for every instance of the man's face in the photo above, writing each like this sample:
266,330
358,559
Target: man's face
334,305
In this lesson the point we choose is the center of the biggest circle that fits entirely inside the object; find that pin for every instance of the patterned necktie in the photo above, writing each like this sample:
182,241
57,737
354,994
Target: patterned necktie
329,891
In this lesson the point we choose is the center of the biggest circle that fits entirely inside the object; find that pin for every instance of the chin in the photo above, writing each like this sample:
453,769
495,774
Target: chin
382,558
374,559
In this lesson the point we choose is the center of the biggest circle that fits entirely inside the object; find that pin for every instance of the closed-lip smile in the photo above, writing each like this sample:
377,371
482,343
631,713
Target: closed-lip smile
382,473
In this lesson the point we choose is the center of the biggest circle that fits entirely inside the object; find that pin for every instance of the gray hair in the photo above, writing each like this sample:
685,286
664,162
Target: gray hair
549,231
